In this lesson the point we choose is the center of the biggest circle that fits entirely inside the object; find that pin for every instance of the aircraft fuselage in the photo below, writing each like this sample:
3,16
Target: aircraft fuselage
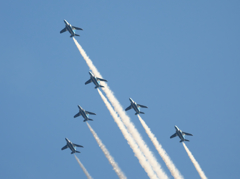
70,145
179,133
69,28
94,80
83,113
134,106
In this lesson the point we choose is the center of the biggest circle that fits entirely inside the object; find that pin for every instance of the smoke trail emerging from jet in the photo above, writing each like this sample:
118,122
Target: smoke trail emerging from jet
174,171
195,163
126,120
83,168
115,166
141,158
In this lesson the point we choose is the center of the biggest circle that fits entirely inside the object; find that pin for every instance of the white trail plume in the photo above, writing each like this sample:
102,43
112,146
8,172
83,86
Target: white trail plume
141,158
126,120
195,163
83,168
115,166
174,171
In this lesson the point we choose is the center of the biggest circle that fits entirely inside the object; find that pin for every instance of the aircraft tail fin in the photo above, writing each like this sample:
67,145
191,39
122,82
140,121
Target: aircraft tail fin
139,113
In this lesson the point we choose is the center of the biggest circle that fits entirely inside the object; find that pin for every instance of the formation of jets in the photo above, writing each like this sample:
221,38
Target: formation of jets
71,146
71,29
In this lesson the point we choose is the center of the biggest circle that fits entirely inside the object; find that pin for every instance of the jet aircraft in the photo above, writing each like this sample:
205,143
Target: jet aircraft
71,29
84,114
95,80
135,106
180,134
71,146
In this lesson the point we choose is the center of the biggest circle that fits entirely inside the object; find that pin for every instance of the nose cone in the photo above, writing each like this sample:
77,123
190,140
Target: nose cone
66,139
65,21
79,107
130,99
176,127
90,73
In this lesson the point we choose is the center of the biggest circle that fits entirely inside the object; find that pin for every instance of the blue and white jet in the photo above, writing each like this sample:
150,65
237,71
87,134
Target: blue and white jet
71,29
84,114
180,134
135,106
71,146
95,80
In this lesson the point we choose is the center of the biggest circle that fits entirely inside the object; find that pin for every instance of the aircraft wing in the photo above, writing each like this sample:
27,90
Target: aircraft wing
101,79
184,133
77,145
142,106
77,28
78,114
129,107
89,81
64,30
90,113
65,147
174,135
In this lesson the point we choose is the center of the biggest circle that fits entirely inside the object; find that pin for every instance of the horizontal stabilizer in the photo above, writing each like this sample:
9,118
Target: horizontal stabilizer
77,151
74,35
184,140
139,113
87,120
99,86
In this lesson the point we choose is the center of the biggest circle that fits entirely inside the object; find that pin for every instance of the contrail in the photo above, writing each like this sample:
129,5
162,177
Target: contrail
141,158
174,171
83,168
126,120
195,163
115,166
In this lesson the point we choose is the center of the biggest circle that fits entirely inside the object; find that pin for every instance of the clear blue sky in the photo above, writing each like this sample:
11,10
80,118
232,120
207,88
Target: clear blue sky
180,58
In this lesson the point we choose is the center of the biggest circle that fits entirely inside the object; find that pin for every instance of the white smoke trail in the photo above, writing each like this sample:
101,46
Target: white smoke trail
195,163
83,168
126,120
174,171
115,166
141,158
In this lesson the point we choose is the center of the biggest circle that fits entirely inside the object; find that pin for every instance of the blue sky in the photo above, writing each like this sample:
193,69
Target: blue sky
179,58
